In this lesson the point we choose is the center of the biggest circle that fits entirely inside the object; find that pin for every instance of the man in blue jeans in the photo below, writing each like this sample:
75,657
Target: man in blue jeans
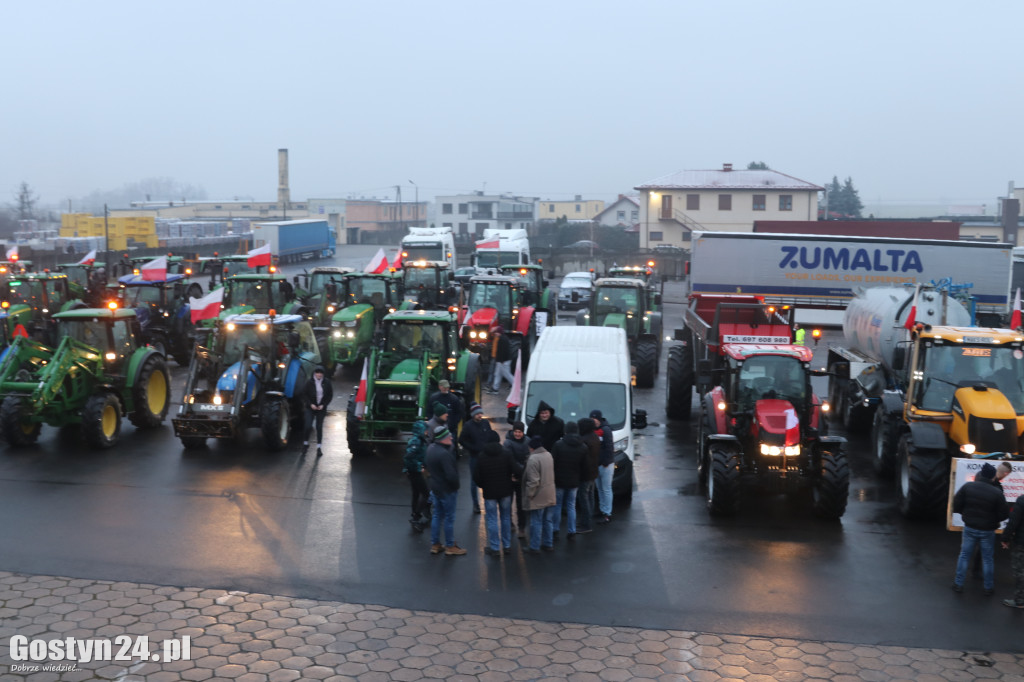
605,466
982,506
439,463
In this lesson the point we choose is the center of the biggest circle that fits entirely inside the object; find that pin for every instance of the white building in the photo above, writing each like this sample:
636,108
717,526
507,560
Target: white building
471,214
674,205
624,212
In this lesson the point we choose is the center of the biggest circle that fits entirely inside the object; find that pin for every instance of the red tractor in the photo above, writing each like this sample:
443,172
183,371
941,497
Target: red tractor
493,301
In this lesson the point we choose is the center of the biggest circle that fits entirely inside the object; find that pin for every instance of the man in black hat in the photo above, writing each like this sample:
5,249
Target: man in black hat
444,395
605,465
318,394
982,506
443,479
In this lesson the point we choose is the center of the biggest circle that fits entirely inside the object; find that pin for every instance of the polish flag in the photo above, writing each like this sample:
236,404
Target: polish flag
155,270
792,427
397,265
361,393
492,244
1015,321
379,263
12,253
89,259
207,306
912,317
515,393
260,256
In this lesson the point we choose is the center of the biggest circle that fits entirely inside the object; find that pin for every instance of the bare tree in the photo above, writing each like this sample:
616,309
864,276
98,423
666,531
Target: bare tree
25,202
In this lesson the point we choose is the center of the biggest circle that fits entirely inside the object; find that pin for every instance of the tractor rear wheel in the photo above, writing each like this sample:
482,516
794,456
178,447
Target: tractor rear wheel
355,447
883,443
18,430
646,362
723,480
832,487
101,420
151,394
275,423
679,383
922,480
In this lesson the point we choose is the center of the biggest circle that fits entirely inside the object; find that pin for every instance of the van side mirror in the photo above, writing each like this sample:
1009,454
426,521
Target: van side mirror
704,373
639,420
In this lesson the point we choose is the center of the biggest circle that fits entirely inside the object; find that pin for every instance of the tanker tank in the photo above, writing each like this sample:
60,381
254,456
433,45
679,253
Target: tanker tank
875,318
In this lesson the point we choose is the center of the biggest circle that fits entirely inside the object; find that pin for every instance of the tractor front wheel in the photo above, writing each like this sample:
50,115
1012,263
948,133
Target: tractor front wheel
646,362
922,480
151,394
679,383
832,487
274,424
723,480
355,446
18,430
101,420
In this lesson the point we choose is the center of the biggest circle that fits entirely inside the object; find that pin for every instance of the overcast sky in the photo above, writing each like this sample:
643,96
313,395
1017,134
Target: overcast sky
917,101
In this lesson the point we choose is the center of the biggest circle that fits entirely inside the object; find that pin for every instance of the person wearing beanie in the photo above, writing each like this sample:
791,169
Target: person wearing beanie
605,465
496,471
518,447
570,461
982,506
440,418
539,496
443,479
444,395
412,467
475,435
318,394
585,522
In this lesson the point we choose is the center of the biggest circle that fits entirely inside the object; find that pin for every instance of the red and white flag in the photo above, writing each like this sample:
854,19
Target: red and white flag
515,393
912,317
12,253
792,427
155,270
361,393
259,256
491,244
1015,321
397,265
379,263
207,306
89,259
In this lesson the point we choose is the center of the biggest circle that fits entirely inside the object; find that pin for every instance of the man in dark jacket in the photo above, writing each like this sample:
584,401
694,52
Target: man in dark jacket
982,507
502,360
476,433
518,445
440,418
585,522
444,395
570,456
496,471
317,395
443,480
546,425
412,467
1013,540
605,465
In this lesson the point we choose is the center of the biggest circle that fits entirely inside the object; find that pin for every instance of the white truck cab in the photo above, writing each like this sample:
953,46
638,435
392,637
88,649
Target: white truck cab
429,244
579,369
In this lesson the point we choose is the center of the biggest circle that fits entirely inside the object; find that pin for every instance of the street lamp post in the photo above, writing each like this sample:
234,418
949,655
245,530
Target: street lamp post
417,201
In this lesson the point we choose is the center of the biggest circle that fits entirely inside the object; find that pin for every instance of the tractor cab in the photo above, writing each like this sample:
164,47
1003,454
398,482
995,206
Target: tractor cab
428,285
112,333
493,301
319,290
531,282
619,303
15,267
257,294
30,301
362,300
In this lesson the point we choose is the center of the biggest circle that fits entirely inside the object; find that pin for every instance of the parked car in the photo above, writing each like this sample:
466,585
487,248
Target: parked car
575,289
463,275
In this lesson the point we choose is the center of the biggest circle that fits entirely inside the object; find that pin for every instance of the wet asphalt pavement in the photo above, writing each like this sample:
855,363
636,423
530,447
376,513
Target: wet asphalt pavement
235,517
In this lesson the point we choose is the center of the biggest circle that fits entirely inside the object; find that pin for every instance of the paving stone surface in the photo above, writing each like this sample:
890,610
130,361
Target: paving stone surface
264,638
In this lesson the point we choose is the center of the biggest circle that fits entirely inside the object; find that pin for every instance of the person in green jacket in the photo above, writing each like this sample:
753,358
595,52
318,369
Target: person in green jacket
412,466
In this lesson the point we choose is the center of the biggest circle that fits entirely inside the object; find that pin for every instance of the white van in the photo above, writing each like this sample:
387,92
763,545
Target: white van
579,369
430,244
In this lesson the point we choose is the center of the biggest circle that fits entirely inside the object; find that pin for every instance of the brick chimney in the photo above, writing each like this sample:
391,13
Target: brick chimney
727,166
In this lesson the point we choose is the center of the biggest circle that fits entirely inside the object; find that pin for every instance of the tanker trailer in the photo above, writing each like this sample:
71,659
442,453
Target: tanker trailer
935,390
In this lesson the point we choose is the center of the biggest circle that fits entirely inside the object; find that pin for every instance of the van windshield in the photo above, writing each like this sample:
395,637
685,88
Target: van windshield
575,399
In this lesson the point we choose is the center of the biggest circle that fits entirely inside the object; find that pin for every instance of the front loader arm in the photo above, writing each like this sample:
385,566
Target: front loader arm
72,357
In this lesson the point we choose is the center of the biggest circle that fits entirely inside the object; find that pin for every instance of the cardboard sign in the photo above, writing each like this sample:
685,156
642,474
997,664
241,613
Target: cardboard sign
964,470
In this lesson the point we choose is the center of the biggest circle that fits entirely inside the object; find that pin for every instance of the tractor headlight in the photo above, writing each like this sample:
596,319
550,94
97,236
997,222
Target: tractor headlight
778,450
968,448
231,326
217,400
482,336
350,334
825,407
282,365
330,308
111,356
337,334
472,334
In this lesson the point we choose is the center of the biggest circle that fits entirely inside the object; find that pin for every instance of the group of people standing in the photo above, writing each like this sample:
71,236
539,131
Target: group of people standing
543,470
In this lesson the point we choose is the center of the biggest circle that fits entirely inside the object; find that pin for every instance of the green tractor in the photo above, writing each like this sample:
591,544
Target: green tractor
96,375
428,285
251,376
534,292
258,294
163,311
87,282
630,305
363,300
132,265
31,300
416,350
